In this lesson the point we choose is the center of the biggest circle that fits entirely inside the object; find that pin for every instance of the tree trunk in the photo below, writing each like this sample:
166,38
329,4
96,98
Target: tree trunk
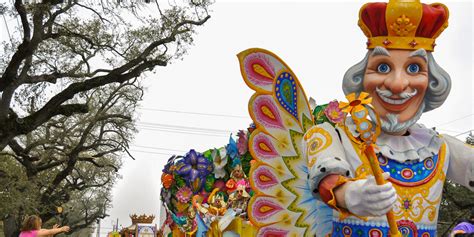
10,227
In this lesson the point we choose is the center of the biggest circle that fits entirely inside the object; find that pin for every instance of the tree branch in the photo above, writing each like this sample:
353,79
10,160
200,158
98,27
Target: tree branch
52,18
20,8
92,161
53,106
50,165
27,47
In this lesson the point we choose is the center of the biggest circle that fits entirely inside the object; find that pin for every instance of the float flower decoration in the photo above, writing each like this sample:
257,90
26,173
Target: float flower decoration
196,174
334,113
231,148
167,180
219,157
242,142
194,168
354,104
184,194
166,197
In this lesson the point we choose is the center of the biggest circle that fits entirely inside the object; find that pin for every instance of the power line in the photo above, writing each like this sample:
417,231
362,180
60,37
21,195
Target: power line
196,113
183,132
454,120
158,148
152,152
470,130
6,25
447,130
225,133
179,127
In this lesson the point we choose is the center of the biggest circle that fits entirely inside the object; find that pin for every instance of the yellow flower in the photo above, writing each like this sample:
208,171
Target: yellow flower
355,105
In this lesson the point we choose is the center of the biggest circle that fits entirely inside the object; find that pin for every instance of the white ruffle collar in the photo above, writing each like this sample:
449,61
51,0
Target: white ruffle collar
420,144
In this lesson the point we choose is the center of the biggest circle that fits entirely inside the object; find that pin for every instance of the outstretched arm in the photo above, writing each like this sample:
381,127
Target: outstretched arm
53,231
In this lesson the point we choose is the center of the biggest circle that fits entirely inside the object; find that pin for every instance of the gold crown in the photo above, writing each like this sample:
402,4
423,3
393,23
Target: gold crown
403,24
144,219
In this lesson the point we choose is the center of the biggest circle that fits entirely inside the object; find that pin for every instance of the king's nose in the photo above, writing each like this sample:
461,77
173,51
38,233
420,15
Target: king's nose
396,83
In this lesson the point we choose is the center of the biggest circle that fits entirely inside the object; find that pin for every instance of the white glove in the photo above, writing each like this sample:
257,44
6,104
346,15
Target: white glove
365,198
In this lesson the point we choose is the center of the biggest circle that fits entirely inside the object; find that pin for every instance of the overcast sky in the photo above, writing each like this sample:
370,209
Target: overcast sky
318,40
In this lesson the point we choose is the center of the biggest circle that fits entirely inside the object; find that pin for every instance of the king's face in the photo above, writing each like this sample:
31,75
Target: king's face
397,81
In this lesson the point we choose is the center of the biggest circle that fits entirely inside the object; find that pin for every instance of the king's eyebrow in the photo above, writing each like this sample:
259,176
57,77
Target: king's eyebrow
420,53
380,51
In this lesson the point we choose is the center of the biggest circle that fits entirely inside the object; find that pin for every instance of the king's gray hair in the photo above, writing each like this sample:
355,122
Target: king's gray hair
439,82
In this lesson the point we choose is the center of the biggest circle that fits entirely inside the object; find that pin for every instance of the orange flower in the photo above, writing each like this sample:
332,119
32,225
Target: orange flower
231,185
167,180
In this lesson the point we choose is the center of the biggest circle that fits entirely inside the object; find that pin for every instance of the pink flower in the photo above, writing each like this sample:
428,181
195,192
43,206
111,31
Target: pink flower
333,113
184,194
243,182
242,142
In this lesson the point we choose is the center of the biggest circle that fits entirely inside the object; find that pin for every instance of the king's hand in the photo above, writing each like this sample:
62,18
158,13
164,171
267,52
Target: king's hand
365,198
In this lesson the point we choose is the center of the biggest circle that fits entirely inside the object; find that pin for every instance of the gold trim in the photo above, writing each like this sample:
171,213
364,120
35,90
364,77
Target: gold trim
403,17
419,196
393,42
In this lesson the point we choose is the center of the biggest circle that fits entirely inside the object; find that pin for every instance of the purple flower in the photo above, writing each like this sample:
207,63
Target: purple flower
194,168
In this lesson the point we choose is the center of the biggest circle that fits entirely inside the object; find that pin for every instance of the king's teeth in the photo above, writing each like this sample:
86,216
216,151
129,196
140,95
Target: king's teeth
392,101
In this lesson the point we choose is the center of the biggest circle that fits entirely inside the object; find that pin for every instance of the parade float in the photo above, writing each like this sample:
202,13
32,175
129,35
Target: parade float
202,190
358,167
142,226
208,193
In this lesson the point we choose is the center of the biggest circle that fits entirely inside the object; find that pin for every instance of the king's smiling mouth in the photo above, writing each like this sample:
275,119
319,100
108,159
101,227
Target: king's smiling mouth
385,96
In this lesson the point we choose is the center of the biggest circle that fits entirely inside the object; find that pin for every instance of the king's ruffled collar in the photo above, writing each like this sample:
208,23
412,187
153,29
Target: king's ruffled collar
420,144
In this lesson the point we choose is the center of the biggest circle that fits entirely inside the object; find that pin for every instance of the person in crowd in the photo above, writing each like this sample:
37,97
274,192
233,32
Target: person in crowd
32,228
465,228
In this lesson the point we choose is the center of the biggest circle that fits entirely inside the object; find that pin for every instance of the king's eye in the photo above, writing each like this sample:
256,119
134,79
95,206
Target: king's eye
413,68
383,68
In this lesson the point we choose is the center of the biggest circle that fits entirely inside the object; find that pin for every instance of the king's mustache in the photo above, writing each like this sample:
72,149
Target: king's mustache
388,93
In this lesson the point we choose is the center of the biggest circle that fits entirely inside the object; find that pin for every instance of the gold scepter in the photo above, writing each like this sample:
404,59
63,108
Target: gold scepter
358,108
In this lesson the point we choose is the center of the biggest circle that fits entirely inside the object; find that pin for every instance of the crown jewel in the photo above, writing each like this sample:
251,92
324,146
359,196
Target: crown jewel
403,24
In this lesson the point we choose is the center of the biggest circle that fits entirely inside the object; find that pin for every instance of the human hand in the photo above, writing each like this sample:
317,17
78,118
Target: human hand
365,198
65,228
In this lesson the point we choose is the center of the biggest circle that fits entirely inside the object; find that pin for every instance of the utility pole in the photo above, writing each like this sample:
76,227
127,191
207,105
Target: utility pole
116,226
98,228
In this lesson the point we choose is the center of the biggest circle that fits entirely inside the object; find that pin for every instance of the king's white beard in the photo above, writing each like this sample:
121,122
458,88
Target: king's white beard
391,123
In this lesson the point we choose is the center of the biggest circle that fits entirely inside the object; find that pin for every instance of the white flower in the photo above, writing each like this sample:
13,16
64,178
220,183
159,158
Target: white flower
219,156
